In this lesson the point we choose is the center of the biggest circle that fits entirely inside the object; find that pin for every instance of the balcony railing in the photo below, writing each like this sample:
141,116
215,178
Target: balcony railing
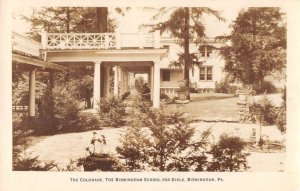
25,45
100,40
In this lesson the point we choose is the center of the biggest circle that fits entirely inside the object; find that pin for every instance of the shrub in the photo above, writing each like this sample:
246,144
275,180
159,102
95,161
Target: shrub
228,155
111,111
23,161
265,87
269,112
133,147
166,98
225,87
281,118
60,113
87,122
165,145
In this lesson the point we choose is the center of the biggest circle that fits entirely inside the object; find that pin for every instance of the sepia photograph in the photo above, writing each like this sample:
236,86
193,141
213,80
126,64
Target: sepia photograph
120,95
98,89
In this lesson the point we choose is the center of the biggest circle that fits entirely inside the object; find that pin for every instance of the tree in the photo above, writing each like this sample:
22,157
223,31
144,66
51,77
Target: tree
186,24
69,19
258,45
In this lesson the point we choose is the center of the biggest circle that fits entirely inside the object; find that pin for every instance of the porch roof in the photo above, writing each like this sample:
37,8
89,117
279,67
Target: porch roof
106,55
20,59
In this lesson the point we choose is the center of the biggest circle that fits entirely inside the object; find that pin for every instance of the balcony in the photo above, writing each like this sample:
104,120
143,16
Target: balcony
56,41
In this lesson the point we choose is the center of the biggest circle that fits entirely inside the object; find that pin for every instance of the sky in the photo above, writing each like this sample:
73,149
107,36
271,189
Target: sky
137,16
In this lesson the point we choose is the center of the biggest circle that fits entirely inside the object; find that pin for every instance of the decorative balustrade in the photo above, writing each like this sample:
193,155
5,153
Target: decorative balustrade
25,45
100,40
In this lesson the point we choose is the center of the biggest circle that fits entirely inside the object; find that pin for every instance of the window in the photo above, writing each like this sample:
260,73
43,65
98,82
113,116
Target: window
209,51
202,51
165,75
206,73
205,51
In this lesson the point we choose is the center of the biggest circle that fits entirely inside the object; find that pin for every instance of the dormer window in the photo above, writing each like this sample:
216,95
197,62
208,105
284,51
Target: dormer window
205,51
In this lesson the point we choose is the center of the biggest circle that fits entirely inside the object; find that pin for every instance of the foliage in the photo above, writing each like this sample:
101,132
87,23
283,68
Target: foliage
258,45
111,111
269,112
134,142
21,91
82,88
228,155
79,81
225,87
265,87
60,113
166,143
66,20
281,118
87,122
23,161
183,86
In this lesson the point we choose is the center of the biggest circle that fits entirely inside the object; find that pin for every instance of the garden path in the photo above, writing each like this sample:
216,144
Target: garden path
64,147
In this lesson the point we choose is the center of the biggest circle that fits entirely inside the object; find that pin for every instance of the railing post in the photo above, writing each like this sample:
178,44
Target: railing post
156,39
118,40
44,39
141,40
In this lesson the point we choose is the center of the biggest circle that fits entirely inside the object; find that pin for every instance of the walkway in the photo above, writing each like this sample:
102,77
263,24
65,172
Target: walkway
64,147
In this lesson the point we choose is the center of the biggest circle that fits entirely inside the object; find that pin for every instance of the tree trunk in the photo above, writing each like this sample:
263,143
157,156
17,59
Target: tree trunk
68,20
187,49
101,19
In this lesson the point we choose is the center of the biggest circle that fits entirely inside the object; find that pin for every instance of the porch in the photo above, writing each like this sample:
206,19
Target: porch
116,58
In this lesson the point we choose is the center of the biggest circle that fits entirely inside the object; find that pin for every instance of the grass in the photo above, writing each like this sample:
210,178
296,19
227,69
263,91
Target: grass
211,106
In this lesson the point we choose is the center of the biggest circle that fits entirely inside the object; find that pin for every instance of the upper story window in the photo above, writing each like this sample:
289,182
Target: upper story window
206,73
166,75
205,51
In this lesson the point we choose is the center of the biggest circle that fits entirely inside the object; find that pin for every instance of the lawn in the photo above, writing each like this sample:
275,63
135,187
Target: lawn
212,106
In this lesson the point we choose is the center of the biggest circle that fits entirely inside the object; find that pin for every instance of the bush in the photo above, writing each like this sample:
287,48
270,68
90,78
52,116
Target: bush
225,87
133,148
281,118
166,98
111,111
165,145
269,112
87,122
228,155
265,87
23,161
60,113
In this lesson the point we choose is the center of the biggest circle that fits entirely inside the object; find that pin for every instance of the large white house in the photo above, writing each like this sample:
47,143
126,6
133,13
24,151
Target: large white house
120,56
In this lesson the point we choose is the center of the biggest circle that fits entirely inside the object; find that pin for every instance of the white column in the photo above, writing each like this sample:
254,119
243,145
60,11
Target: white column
31,106
151,81
97,84
156,85
107,69
116,81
